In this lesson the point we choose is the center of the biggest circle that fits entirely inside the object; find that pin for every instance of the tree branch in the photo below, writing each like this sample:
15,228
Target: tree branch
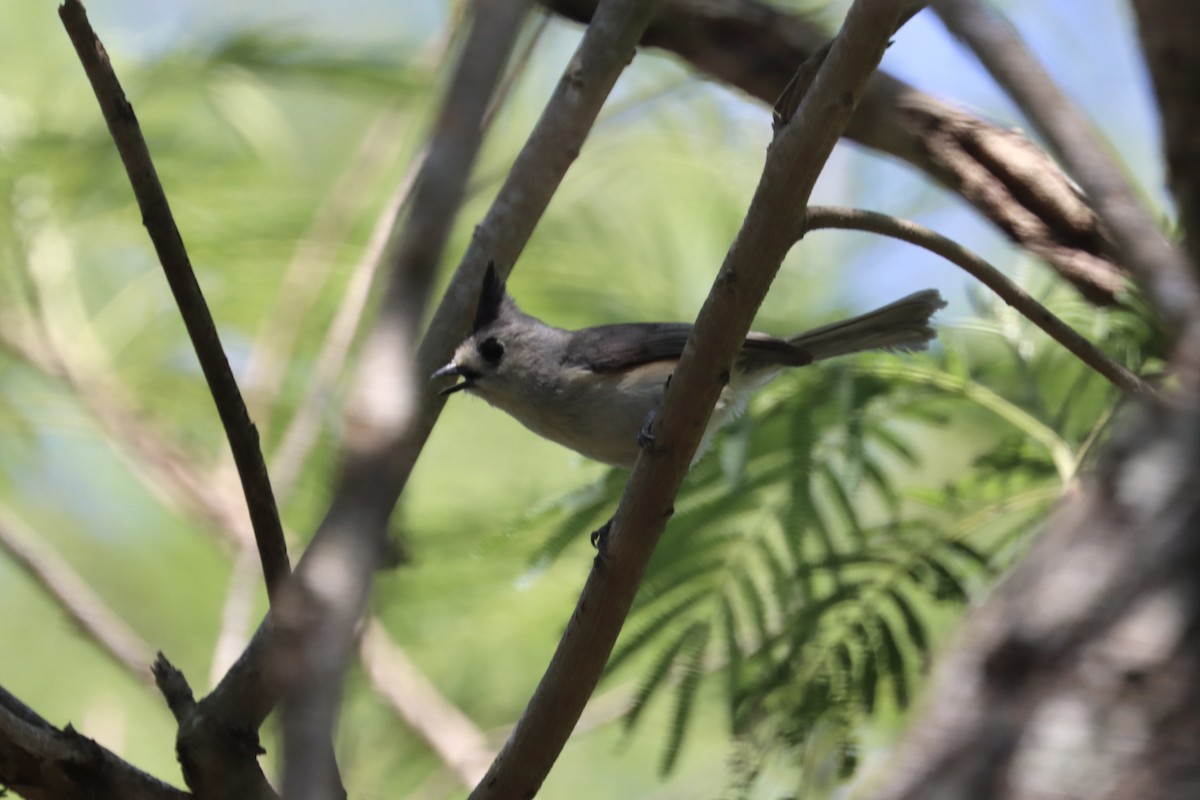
73,595
458,742
1169,33
160,225
855,219
325,604
1160,269
214,766
248,692
755,47
307,275
1076,679
794,160
42,762
301,432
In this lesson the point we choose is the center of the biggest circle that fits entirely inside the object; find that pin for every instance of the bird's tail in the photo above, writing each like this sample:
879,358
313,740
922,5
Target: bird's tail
902,325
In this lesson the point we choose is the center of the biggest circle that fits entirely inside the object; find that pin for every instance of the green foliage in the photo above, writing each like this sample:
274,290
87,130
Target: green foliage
813,564
815,560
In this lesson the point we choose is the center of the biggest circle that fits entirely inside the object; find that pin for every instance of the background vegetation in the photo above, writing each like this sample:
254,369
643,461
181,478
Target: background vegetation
820,555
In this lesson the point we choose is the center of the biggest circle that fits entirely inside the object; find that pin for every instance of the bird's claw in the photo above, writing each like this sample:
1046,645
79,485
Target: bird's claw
600,540
645,438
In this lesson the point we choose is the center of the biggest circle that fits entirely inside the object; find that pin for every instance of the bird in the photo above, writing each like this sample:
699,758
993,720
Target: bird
594,390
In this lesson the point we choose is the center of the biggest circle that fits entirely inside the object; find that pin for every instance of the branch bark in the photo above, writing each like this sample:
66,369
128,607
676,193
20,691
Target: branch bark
248,692
755,47
1156,264
989,276
42,762
319,616
794,160
1077,678
73,595
1169,33
160,225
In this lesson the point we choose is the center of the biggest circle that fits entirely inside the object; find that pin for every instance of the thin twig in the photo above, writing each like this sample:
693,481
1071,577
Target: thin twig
237,614
1157,265
248,692
156,215
818,217
794,160
75,597
319,618
307,274
520,63
458,742
301,432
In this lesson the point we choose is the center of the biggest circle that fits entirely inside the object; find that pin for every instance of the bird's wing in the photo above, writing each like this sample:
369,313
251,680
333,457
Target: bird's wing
613,348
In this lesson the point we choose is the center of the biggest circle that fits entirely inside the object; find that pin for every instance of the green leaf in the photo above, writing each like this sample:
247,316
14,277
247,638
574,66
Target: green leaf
843,502
912,623
752,598
631,645
896,668
685,698
869,677
661,670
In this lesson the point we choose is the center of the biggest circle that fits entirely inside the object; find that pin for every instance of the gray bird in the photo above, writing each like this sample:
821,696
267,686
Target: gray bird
594,389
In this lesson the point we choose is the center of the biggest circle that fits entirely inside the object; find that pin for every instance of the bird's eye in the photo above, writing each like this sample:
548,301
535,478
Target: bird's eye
491,350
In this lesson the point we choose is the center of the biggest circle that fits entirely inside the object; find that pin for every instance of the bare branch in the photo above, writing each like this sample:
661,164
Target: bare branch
73,595
302,430
794,160
237,614
42,762
855,219
1169,32
318,620
301,433
248,693
1155,263
453,736
755,47
216,762
156,215
306,276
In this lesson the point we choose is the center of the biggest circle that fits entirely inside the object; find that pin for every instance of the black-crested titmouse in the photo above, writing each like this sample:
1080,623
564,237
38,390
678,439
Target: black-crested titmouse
594,389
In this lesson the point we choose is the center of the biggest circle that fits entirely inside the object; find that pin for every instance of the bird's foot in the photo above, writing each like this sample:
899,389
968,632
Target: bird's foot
645,438
600,541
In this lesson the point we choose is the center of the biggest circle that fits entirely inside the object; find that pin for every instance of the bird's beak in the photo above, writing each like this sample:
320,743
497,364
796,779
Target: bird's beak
451,370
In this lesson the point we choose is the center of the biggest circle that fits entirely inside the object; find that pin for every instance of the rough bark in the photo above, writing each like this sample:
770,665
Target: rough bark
756,47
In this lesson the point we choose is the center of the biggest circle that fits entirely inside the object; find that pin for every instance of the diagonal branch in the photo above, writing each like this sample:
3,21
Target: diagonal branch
755,46
324,605
1168,32
42,762
73,595
794,160
459,743
989,276
248,693
304,426
160,225
301,432
1158,266
308,273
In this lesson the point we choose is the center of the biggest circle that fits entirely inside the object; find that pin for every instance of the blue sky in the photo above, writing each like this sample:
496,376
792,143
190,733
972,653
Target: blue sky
1089,46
